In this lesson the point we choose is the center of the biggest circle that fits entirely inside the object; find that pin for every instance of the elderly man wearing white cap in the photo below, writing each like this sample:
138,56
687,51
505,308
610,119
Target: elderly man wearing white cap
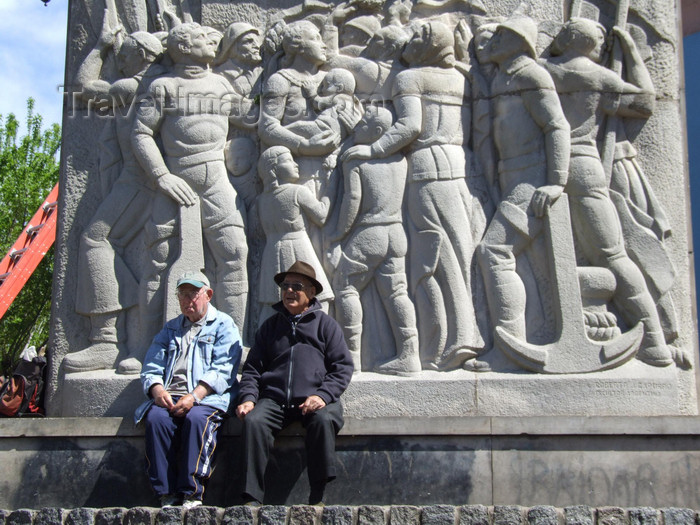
189,375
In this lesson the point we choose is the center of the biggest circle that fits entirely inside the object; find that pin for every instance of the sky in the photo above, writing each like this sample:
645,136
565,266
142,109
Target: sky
32,57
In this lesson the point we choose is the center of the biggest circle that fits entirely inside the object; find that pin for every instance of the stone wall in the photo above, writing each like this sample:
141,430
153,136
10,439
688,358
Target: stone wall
526,265
362,515
556,461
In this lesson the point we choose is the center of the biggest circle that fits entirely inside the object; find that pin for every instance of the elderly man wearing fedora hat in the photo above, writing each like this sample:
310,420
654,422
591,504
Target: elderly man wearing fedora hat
296,370
189,376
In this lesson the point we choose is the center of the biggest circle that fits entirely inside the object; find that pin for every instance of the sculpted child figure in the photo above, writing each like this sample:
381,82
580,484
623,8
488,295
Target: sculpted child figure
283,206
376,246
338,108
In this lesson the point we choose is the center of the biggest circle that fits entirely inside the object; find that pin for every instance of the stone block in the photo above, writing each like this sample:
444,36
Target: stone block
201,515
272,515
676,516
507,515
49,516
371,515
169,516
20,517
337,515
643,516
304,515
140,516
438,515
542,515
81,516
579,515
404,515
474,515
240,515
612,516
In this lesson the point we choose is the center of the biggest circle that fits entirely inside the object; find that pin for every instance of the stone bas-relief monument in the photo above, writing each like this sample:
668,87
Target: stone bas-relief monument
492,195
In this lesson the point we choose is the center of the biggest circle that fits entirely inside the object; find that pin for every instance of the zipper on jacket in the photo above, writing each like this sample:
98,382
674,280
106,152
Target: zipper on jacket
291,363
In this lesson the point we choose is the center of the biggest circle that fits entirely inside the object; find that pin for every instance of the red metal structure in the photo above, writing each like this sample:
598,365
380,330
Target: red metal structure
28,251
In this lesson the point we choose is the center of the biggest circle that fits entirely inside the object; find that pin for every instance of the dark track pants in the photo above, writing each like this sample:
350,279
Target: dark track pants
179,450
262,424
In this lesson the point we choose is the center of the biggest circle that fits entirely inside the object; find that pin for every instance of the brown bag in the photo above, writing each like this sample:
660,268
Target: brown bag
22,394
11,396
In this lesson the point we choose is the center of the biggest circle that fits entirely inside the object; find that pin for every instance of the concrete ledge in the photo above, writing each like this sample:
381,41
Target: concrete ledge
74,427
366,514
556,461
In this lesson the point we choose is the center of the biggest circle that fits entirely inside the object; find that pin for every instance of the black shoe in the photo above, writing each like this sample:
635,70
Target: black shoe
316,494
250,501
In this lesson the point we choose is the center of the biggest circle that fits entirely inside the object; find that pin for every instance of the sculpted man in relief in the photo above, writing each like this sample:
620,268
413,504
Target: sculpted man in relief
108,286
186,112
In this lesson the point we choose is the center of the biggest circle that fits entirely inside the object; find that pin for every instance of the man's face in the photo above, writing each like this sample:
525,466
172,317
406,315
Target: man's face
202,48
297,301
376,48
248,48
353,36
503,44
193,301
129,60
414,48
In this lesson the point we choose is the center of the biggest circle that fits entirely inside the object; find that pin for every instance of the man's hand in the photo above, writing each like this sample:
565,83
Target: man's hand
108,35
312,404
358,152
161,397
243,409
320,144
177,189
544,197
184,405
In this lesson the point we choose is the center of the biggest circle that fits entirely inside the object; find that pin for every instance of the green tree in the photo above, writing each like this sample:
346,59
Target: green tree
28,172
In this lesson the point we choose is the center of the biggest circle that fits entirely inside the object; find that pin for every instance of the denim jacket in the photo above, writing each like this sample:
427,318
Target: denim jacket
214,360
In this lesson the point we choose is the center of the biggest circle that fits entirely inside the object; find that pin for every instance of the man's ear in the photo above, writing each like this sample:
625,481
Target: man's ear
210,293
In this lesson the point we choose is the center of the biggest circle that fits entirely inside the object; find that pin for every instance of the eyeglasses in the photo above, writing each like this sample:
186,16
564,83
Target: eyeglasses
190,296
296,287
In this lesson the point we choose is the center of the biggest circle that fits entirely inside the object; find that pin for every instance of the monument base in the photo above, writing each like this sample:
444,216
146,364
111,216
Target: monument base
634,389
558,461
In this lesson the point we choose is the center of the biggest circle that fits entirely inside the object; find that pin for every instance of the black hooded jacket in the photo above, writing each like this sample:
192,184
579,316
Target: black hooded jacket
290,361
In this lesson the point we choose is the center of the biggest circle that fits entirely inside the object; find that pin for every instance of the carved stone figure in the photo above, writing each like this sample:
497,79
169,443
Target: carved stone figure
107,285
289,94
284,205
377,66
532,141
375,249
187,111
353,34
428,98
338,108
588,91
288,101
239,61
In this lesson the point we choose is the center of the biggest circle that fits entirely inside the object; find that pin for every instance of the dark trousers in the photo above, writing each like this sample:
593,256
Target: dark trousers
179,450
263,423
